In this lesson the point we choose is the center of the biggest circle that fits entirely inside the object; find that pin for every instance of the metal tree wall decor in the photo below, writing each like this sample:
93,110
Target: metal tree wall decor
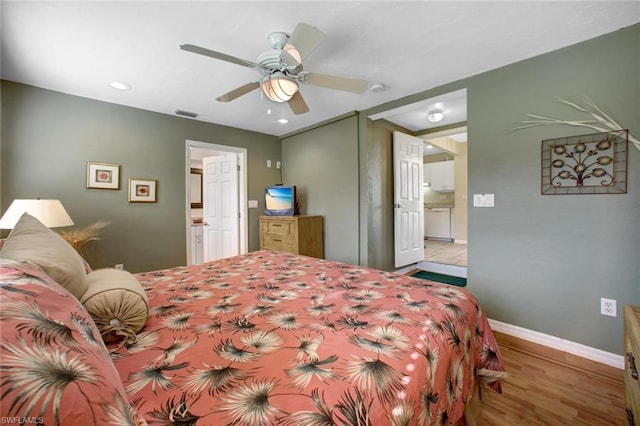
587,164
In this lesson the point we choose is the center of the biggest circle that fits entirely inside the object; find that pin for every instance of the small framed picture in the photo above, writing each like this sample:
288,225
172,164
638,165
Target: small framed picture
142,190
103,175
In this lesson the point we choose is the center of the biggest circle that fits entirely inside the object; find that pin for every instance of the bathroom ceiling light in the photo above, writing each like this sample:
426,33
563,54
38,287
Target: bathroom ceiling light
435,115
283,121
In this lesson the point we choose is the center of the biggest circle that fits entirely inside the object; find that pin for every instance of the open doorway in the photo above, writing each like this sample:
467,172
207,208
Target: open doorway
445,196
441,122
207,237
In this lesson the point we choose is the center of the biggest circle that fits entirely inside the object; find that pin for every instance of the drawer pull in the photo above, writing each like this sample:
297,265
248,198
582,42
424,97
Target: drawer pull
277,240
276,225
632,365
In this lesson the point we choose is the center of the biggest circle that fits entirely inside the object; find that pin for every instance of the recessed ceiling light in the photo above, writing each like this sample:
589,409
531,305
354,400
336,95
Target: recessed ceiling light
377,87
283,121
429,146
119,85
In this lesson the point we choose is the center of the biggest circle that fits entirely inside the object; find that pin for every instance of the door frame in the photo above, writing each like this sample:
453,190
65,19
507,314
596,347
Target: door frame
243,227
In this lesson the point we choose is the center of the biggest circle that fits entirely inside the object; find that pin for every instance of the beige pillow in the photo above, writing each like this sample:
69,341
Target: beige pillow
31,241
117,302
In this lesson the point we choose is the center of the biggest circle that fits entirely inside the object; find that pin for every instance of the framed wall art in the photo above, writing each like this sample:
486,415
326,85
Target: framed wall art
142,190
586,164
103,175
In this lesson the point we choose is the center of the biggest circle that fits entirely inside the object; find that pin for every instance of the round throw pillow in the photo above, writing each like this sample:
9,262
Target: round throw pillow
118,304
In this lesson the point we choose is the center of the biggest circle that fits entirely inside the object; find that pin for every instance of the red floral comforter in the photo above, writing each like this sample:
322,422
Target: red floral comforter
274,338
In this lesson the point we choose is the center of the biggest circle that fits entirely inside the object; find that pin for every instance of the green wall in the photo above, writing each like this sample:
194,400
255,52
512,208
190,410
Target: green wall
48,137
379,191
539,262
323,164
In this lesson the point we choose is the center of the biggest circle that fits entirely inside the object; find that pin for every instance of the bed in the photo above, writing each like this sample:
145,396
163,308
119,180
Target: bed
275,338
263,338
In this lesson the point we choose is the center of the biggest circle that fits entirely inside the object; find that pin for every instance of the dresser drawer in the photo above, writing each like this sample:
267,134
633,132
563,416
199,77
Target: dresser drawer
631,398
279,227
632,362
280,243
301,234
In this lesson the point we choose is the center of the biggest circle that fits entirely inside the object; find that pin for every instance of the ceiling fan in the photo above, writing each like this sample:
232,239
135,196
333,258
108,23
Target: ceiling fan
281,69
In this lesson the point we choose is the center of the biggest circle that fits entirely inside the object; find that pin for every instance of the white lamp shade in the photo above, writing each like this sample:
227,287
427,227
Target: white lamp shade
278,87
49,212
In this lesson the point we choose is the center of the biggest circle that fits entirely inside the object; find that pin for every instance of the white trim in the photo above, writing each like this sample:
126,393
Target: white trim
460,241
568,346
441,268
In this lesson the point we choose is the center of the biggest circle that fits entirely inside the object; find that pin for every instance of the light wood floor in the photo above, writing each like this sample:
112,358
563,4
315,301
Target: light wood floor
549,387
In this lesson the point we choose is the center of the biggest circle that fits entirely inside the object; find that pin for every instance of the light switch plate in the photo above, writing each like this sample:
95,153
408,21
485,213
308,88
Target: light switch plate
483,200
253,204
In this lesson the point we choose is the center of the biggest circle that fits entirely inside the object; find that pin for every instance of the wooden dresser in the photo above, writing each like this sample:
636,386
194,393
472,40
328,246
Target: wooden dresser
631,363
294,234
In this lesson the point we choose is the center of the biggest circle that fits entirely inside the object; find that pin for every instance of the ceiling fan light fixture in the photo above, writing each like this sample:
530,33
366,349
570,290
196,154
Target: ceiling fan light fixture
278,87
435,115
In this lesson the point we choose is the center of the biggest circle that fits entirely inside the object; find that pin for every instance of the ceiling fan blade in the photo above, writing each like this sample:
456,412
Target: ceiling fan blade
297,104
217,55
304,40
236,93
334,82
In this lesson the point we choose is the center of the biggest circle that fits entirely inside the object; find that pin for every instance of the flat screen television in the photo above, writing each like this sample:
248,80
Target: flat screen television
280,200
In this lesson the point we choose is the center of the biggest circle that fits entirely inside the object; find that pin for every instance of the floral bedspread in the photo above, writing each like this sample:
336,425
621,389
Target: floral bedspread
274,338
54,367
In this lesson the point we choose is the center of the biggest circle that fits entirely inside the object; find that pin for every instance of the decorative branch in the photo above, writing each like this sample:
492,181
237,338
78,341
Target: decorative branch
601,122
77,238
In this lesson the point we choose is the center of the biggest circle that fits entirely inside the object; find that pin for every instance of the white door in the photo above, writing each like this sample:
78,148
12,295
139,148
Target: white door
220,207
408,199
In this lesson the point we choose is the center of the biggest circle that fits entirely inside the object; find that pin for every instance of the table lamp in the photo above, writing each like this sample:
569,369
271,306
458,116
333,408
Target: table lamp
49,212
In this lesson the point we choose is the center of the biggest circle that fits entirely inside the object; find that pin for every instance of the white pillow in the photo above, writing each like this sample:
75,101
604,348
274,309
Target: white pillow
31,241
117,302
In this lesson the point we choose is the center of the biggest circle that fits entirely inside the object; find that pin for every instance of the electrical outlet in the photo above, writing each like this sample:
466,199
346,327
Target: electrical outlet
608,307
119,266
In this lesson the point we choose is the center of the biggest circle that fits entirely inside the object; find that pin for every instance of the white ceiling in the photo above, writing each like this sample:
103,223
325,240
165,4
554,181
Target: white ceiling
79,47
414,116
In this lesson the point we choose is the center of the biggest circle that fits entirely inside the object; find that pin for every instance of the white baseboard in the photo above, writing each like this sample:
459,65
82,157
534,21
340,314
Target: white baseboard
441,268
460,241
568,346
